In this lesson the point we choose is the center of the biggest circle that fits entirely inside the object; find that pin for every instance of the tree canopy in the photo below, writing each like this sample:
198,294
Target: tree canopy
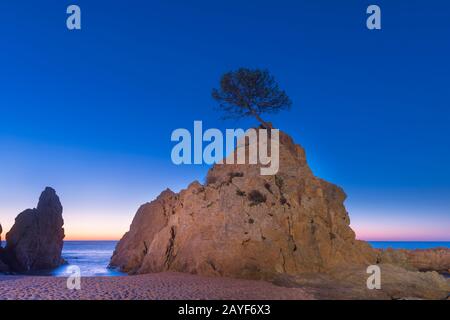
246,92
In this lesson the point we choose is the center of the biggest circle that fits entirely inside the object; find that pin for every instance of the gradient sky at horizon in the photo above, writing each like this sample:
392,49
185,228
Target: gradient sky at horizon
90,112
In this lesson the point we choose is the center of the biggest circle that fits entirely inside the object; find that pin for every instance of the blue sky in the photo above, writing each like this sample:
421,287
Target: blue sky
90,112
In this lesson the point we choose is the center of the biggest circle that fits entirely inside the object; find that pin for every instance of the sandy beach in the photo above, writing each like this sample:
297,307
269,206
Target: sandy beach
161,286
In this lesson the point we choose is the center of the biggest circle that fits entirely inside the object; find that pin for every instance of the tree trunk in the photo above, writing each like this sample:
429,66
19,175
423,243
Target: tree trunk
265,124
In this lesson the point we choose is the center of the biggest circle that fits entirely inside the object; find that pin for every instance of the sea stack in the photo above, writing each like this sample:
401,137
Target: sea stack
242,224
36,239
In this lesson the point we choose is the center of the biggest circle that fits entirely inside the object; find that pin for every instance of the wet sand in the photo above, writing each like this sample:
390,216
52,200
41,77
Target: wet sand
160,286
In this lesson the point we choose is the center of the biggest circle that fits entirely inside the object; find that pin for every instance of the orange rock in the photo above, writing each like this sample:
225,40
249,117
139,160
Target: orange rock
246,225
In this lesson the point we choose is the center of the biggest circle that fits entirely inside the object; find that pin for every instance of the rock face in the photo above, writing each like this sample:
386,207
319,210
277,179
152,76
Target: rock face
35,241
243,224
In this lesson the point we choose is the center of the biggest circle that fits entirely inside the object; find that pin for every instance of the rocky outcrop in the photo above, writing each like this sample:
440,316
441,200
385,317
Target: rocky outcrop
285,228
349,283
243,224
437,259
36,239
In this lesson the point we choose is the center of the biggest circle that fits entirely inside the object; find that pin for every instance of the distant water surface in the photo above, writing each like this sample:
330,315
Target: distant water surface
410,245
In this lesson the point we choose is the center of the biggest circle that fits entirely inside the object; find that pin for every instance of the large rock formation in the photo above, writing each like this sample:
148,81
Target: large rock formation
243,224
35,241
286,228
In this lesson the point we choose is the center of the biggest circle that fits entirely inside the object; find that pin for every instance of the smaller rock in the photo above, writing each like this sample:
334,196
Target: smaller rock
35,241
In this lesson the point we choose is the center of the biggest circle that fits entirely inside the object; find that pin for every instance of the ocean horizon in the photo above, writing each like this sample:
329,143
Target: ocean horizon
409,245
93,256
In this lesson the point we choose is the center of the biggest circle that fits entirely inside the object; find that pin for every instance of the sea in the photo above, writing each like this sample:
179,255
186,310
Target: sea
92,257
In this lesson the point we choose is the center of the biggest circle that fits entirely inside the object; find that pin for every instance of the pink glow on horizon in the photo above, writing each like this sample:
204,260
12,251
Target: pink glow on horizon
400,234
399,223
